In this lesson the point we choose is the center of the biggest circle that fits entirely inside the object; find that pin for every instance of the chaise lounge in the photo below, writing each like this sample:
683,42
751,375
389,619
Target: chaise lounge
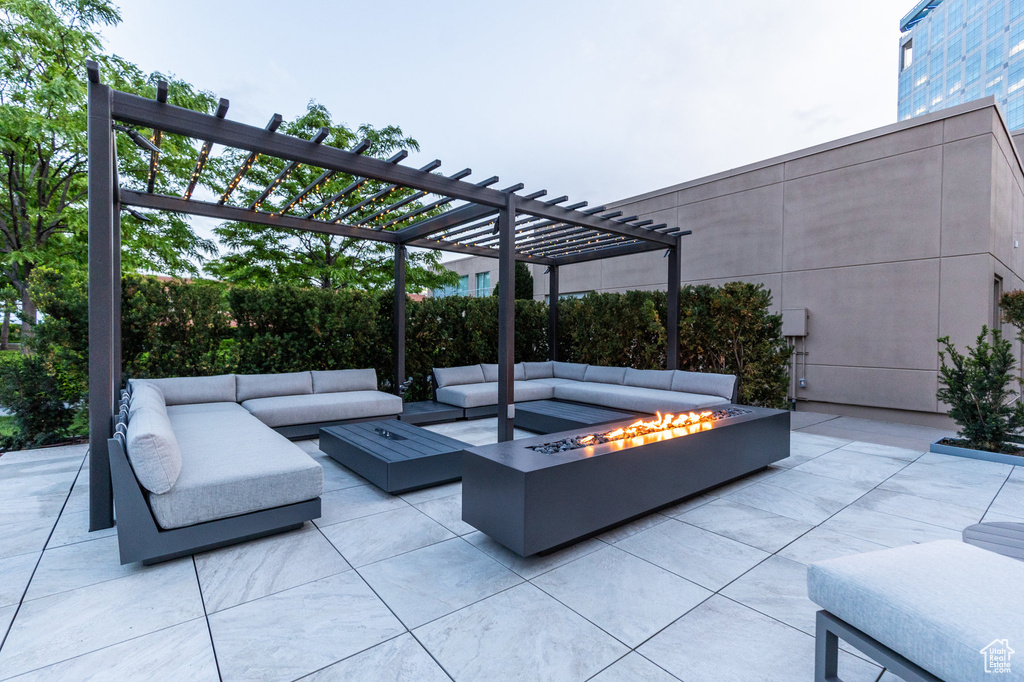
201,462
475,387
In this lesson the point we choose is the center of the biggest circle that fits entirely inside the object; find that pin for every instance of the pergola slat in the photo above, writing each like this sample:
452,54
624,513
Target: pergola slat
272,125
286,171
352,187
436,163
154,157
204,153
408,200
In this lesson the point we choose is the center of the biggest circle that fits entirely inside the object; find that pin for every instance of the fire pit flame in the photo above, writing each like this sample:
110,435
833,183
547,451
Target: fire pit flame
692,421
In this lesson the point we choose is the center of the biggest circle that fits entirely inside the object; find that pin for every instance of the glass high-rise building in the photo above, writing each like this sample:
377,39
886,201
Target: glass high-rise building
955,51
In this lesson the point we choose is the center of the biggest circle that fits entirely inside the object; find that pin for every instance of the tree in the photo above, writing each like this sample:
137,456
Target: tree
524,283
9,304
261,256
44,45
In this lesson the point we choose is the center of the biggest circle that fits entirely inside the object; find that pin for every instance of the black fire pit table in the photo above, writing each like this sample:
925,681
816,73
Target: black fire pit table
394,456
532,502
554,416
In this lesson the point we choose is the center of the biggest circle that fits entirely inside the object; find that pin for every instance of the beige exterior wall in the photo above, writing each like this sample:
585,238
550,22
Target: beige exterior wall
889,239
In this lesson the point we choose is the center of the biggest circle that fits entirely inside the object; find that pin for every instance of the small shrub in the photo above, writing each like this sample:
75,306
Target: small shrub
41,413
976,386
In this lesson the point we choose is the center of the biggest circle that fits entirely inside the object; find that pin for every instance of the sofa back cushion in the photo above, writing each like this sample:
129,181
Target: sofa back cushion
191,390
146,394
649,378
569,370
153,450
491,372
539,370
341,380
605,375
704,383
458,376
252,386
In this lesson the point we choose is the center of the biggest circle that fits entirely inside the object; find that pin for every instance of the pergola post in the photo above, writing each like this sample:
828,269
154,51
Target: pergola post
102,393
506,318
399,321
553,313
675,268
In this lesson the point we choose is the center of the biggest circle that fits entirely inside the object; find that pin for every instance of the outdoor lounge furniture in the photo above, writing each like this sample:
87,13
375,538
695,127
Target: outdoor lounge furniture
395,456
938,611
475,387
202,473
1002,537
552,416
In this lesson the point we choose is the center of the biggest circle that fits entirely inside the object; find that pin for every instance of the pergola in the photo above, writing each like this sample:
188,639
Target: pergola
480,221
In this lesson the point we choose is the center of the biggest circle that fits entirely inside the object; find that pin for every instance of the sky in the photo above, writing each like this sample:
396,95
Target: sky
600,100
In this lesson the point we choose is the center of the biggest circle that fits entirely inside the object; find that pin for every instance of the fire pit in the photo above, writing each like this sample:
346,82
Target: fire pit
679,426
538,494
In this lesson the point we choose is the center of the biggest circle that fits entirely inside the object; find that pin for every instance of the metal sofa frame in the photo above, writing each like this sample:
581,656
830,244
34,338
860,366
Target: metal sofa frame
140,538
829,630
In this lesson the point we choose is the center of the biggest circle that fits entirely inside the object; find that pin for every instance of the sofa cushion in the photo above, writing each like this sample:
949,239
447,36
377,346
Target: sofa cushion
252,386
233,464
480,395
491,372
289,410
569,370
604,375
649,378
205,408
153,450
339,380
554,381
705,383
938,604
458,376
146,394
538,370
189,390
648,400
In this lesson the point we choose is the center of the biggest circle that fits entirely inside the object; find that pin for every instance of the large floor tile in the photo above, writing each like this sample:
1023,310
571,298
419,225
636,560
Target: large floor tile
749,525
401,659
623,595
432,493
1010,500
28,508
381,536
68,452
853,466
633,668
24,538
338,477
519,634
428,583
965,487
807,508
74,527
79,565
823,543
625,530
722,640
823,443
352,503
531,567
905,454
69,624
946,514
829,489
777,588
6,616
703,557
15,573
448,512
296,632
966,464
885,529
475,431
250,570
181,652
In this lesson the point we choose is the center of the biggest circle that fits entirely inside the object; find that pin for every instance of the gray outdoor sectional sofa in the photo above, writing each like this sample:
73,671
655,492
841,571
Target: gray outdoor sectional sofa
475,387
200,462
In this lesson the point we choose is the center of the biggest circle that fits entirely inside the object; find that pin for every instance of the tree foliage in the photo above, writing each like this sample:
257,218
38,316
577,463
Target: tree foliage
261,256
524,283
976,386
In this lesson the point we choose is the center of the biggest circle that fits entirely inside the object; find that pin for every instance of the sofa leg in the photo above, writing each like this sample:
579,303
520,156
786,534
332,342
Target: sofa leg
826,652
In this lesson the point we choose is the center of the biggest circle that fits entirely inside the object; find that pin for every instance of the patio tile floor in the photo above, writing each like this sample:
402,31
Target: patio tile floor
398,587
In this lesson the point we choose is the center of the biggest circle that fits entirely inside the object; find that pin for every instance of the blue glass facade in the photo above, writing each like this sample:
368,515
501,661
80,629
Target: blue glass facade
955,51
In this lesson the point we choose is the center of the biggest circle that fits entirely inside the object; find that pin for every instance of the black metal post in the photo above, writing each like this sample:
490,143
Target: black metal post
506,319
102,396
675,268
553,312
399,322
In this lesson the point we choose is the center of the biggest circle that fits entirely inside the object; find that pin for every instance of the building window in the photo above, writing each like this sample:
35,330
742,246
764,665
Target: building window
954,49
938,30
997,295
1016,39
483,284
1016,81
1015,112
935,66
994,55
955,10
996,18
906,55
973,35
972,70
935,92
1016,9
973,7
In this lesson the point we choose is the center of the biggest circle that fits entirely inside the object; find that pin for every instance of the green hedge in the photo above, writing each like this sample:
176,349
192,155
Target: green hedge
203,328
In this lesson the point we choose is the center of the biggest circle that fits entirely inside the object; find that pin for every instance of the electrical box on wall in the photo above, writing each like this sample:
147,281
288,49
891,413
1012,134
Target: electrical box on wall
794,322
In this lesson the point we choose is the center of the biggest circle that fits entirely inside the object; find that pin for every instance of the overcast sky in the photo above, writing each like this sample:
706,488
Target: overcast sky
600,100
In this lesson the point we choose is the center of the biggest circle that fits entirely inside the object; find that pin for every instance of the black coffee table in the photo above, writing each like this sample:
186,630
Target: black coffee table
553,416
394,456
